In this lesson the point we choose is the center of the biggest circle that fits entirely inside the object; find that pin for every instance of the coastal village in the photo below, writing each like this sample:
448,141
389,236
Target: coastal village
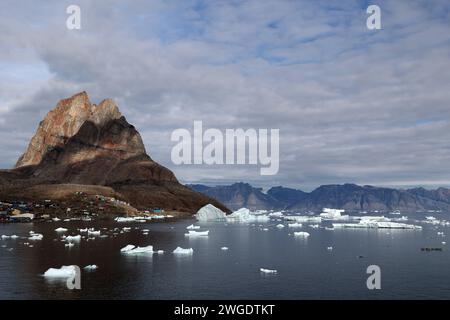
80,206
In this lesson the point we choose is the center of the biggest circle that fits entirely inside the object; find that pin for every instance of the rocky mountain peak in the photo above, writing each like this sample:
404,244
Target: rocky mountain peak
64,122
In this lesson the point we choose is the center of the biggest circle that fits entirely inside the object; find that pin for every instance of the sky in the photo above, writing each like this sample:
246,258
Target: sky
352,104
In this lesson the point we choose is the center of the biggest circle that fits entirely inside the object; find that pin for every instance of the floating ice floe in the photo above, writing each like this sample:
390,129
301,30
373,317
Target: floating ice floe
91,267
72,238
276,214
127,248
314,226
210,213
302,234
61,230
14,237
180,250
329,248
94,233
333,214
36,237
303,218
280,226
192,233
295,225
268,271
136,250
224,248
124,219
377,224
192,227
160,251
4,237
56,219
244,215
63,272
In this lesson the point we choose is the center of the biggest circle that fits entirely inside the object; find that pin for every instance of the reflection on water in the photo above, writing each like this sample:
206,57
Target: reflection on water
306,268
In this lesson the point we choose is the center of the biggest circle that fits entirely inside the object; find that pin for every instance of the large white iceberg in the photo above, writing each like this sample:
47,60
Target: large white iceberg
180,250
210,213
63,272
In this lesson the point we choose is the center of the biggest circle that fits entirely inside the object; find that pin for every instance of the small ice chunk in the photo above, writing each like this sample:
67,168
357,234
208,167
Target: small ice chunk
136,250
5,237
73,238
302,234
271,271
36,237
63,272
69,245
180,250
224,248
295,225
56,219
329,248
61,230
127,248
91,267
93,233
192,227
197,233
14,236
160,251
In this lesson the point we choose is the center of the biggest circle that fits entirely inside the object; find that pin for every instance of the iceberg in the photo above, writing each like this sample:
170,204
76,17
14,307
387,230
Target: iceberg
72,238
192,227
61,230
124,219
210,213
280,226
244,215
136,250
303,218
197,233
36,237
329,248
333,214
373,224
224,248
91,267
56,219
94,233
63,272
276,214
14,236
127,248
302,234
5,237
268,271
180,250
295,225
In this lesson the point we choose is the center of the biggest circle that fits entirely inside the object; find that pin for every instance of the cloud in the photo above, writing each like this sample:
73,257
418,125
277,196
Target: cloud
352,105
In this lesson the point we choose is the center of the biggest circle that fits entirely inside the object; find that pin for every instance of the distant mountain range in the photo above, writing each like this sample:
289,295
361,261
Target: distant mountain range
345,196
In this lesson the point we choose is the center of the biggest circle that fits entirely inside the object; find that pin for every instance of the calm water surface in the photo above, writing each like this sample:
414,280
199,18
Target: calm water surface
306,269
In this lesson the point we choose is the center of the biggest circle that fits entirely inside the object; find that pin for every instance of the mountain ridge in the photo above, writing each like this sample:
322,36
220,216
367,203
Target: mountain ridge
341,196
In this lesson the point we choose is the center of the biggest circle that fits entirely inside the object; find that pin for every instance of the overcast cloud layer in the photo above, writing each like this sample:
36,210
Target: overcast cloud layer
352,105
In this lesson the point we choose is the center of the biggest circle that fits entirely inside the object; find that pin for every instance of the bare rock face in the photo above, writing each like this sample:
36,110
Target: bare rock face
86,144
